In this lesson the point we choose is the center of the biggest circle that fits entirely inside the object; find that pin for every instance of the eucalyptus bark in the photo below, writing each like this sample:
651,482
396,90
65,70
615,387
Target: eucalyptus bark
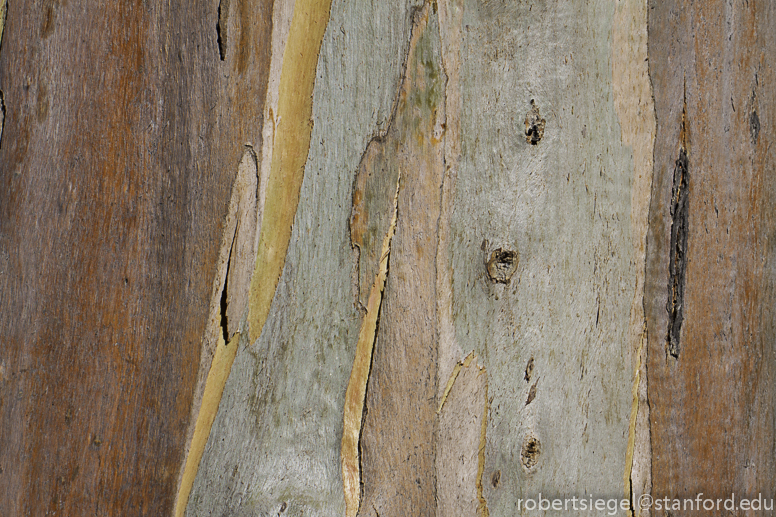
348,258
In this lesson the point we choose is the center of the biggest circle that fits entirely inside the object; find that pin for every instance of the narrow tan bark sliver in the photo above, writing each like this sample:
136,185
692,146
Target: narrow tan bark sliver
482,508
216,380
456,370
356,392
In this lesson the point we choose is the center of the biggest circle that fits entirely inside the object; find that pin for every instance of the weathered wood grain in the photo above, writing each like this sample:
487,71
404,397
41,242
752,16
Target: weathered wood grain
122,137
711,386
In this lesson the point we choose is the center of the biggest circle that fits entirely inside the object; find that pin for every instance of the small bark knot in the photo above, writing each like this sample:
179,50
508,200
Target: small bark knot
502,265
532,448
534,125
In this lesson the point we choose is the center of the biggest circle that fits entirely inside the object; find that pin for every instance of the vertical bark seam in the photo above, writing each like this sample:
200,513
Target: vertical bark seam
355,396
635,108
632,425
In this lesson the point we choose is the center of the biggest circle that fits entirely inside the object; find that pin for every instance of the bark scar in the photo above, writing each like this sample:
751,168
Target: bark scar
678,254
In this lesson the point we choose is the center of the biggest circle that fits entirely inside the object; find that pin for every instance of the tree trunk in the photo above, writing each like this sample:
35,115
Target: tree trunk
323,257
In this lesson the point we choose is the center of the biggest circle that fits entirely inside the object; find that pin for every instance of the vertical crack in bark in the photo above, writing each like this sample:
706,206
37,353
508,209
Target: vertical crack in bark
355,396
2,116
3,12
678,254
221,27
224,319
482,509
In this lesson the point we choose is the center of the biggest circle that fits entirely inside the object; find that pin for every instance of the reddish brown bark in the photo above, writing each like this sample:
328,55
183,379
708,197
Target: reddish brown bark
122,136
712,399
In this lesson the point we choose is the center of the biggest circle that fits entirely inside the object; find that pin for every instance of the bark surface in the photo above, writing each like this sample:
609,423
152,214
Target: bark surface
426,258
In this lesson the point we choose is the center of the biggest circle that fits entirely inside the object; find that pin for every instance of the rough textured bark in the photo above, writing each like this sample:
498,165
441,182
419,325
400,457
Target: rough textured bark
711,391
364,258
122,136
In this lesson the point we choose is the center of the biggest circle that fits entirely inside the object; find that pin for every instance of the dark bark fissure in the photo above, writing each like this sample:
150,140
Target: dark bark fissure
224,320
754,126
4,10
678,254
2,117
223,16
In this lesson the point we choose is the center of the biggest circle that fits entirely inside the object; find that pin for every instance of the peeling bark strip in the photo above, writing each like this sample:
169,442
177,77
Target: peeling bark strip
482,507
292,143
678,260
216,380
397,449
356,393
228,303
632,431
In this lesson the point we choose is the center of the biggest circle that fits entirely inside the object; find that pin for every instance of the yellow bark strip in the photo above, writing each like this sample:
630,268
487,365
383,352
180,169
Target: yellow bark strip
632,427
453,376
482,510
289,155
291,146
216,380
356,392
